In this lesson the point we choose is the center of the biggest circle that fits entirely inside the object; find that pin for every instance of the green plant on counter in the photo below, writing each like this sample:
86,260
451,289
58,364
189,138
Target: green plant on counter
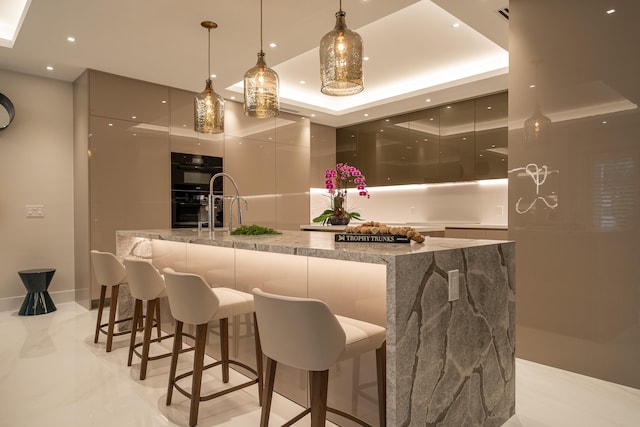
253,230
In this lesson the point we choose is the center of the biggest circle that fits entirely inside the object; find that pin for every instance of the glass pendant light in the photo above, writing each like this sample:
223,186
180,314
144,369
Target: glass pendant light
261,87
341,60
208,105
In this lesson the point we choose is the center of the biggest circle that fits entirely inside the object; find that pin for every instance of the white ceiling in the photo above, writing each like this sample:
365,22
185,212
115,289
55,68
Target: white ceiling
415,51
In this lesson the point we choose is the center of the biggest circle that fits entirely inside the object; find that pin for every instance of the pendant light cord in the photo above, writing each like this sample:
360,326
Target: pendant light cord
260,25
209,75
340,5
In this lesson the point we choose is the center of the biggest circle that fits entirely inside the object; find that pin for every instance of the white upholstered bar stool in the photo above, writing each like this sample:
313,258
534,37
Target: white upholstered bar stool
303,333
109,273
146,284
193,301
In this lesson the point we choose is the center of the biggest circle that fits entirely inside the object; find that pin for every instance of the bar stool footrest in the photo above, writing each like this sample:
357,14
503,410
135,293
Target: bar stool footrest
221,392
116,334
163,355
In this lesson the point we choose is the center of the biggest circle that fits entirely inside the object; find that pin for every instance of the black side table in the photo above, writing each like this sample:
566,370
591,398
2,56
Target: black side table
37,300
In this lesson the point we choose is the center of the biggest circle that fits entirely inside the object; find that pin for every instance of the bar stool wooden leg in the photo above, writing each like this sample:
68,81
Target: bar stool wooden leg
198,365
224,348
137,313
319,386
177,346
269,381
112,315
381,369
158,321
146,341
259,367
103,293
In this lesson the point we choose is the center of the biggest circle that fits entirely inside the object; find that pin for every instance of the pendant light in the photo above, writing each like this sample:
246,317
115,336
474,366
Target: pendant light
208,105
341,60
261,87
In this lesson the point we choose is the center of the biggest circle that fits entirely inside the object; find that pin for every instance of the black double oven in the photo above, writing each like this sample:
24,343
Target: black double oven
190,176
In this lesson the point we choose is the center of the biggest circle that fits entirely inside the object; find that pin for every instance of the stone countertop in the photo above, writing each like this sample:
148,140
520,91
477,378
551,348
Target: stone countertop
307,243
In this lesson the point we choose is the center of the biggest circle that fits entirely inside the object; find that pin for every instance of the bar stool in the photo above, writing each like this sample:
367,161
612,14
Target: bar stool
303,333
146,284
193,301
110,273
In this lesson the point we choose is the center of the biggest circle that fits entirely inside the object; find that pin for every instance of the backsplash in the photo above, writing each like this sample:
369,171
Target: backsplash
481,202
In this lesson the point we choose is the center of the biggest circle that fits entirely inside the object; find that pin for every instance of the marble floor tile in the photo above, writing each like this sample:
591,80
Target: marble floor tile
51,373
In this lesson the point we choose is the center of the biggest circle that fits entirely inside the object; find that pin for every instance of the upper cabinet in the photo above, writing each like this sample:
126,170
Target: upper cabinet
461,141
128,99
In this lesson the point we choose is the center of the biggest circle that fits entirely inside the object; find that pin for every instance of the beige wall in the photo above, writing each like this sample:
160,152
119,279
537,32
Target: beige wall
36,169
578,297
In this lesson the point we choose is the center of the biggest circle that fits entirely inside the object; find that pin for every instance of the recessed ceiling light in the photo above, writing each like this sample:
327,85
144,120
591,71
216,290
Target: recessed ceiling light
313,115
163,101
604,122
49,68
302,82
531,86
213,76
456,25
110,124
133,117
489,107
366,58
233,97
610,11
427,100
431,119
71,39
272,45
366,115
448,107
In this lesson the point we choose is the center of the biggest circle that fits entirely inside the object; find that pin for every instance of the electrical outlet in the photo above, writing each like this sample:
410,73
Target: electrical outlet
454,285
34,211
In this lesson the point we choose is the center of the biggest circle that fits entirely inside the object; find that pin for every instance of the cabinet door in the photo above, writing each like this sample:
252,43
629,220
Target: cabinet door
129,179
457,149
491,136
128,99
424,140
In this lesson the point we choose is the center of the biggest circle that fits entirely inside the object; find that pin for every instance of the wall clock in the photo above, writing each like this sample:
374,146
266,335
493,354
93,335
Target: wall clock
7,112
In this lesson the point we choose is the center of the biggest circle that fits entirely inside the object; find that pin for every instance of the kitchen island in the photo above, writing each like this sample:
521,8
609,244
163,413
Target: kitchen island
448,362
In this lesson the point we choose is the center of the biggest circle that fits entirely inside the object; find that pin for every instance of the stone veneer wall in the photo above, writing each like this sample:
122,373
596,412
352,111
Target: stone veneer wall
474,336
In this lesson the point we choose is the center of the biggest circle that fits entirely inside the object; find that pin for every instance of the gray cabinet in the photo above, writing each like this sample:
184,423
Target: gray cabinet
461,141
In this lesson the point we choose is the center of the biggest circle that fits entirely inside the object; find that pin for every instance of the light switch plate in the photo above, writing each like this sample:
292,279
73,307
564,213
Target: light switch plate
454,285
34,211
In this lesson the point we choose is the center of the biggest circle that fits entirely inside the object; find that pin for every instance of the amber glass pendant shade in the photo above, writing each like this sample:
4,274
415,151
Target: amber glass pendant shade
261,85
341,60
208,106
209,111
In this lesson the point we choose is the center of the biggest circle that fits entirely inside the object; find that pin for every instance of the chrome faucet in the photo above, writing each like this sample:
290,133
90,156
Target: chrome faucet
236,197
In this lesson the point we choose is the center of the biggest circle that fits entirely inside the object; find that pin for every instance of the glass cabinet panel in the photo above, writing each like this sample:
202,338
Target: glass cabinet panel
457,149
491,136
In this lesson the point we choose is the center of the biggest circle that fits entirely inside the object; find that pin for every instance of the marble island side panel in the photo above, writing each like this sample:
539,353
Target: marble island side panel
448,363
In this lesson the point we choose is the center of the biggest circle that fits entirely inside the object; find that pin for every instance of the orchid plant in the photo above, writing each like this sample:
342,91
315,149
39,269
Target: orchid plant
336,182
